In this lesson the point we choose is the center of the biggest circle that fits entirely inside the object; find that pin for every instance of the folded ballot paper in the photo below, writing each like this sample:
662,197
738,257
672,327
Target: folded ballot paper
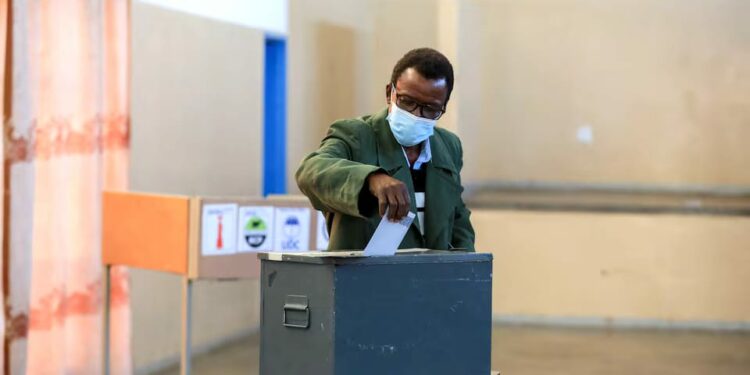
388,235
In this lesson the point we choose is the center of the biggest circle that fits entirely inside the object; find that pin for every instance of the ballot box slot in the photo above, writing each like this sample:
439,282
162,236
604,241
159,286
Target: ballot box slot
296,312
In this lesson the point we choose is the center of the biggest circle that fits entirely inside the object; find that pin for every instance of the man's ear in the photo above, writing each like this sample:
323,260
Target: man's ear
388,94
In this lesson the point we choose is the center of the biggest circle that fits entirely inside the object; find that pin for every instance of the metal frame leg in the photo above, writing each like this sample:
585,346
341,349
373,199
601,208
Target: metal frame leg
186,351
105,320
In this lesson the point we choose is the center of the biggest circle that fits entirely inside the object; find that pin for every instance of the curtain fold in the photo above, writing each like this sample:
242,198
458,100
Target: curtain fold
4,35
66,141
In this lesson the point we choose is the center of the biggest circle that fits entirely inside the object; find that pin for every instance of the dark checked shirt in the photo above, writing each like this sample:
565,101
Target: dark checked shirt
418,175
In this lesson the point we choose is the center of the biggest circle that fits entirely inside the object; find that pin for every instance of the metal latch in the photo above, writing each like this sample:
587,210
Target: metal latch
296,312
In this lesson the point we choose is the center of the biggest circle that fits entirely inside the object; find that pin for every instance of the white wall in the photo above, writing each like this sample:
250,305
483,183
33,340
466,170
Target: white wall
268,15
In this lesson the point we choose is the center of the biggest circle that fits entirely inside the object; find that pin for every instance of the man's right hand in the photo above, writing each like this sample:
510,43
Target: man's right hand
391,193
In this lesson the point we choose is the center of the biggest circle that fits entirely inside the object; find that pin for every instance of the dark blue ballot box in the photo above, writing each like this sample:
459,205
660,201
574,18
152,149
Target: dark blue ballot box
341,313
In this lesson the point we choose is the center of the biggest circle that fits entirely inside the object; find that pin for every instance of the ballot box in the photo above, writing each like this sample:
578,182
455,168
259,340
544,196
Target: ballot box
417,312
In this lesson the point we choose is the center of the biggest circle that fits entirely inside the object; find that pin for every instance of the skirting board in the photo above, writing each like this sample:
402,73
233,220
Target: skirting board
620,323
174,360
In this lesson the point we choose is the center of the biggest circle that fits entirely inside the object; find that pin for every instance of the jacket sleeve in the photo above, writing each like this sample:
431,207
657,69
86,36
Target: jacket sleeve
331,179
463,231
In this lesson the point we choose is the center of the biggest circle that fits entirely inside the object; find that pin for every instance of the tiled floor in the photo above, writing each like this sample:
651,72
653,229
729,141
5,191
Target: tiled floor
535,350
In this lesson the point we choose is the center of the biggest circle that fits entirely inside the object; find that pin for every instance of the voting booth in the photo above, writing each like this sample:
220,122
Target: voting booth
201,238
416,312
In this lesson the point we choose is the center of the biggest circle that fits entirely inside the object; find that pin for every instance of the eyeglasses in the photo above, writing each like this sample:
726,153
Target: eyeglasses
408,104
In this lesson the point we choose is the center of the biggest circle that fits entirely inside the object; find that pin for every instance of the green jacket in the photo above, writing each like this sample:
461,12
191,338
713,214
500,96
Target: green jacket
334,178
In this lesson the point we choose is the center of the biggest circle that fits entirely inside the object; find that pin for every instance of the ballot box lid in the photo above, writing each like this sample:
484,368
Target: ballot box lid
358,257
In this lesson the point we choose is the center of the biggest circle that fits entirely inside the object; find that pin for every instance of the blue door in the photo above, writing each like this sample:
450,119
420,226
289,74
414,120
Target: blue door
274,126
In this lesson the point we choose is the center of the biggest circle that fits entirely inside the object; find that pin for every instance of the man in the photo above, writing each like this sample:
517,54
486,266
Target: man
393,162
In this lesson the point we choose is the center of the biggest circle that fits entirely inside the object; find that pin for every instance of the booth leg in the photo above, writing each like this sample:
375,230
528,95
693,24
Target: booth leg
105,320
186,350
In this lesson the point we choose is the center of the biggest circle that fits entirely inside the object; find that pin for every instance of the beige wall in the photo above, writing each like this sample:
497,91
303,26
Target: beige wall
328,49
341,54
665,86
621,266
196,128
399,26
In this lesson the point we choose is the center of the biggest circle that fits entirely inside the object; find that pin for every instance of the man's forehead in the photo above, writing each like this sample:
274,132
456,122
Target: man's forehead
412,76
421,88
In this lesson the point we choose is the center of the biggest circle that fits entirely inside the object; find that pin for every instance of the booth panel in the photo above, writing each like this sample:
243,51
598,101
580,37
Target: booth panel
145,231
236,258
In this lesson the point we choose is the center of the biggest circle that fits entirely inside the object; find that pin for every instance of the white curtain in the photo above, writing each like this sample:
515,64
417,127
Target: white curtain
66,141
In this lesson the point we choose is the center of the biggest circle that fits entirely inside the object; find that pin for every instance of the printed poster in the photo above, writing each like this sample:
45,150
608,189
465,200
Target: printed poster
218,229
322,232
291,229
255,229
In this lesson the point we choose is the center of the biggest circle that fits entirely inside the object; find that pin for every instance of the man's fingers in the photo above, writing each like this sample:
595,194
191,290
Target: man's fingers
393,206
392,196
403,205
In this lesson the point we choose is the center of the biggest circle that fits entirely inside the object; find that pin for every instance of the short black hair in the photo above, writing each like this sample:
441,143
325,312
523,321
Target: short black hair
428,62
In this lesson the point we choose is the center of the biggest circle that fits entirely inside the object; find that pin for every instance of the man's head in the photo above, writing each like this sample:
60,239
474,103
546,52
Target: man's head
423,82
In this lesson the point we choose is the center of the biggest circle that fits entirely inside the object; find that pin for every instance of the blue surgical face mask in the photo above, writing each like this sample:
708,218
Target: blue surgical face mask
409,129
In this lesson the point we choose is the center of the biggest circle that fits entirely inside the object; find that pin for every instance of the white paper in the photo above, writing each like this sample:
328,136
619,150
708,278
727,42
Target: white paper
218,229
388,235
322,233
255,229
291,229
